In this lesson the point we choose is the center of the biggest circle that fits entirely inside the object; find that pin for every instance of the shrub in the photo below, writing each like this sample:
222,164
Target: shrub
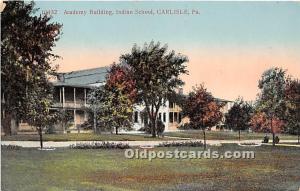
50,130
185,126
181,144
99,145
11,147
266,139
159,129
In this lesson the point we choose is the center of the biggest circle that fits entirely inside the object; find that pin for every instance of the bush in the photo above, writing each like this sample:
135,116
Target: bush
50,130
159,129
99,145
11,147
266,139
185,126
181,144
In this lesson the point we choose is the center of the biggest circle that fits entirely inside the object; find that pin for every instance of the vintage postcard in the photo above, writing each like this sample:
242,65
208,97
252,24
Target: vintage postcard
150,95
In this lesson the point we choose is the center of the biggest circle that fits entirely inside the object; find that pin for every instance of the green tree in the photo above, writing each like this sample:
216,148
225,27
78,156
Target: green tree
271,100
112,109
64,117
202,110
239,115
293,106
26,57
38,112
113,102
156,73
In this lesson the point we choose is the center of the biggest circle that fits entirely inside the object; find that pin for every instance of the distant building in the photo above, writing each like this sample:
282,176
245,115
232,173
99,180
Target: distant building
71,90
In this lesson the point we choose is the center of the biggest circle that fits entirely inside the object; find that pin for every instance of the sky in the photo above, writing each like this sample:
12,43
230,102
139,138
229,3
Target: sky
229,44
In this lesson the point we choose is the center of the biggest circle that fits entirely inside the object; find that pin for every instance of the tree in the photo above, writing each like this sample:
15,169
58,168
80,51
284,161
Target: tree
98,106
261,123
26,42
113,102
120,78
271,100
292,93
202,109
239,115
64,116
38,111
156,73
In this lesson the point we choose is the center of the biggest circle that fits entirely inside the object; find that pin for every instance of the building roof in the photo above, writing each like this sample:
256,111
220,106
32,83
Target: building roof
222,100
82,78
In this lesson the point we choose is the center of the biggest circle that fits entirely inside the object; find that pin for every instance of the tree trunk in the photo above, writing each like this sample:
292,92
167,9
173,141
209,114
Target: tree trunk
116,130
6,124
298,134
204,137
10,125
273,133
41,137
239,135
153,127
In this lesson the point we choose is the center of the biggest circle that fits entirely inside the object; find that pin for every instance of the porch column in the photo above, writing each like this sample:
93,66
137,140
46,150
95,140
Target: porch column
85,97
60,95
74,97
74,117
75,111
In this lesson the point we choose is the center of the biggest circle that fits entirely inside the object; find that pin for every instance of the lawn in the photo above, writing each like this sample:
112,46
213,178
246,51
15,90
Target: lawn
81,137
90,170
225,135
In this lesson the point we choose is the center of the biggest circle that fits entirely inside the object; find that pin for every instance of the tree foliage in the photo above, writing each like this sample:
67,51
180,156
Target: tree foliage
261,123
156,73
271,100
38,112
120,78
26,57
202,109
239,115
293,106
113,102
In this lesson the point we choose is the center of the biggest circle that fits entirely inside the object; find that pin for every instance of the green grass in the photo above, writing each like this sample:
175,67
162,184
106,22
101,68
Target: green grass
90,170
225,135
81,137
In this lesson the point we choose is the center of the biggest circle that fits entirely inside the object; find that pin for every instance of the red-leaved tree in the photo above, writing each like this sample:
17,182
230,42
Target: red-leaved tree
260,123
120,77
202,110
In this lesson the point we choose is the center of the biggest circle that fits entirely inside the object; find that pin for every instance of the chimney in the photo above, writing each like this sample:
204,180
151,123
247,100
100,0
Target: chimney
61,77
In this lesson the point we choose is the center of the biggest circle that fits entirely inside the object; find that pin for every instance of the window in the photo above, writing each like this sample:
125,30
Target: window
175,116
164,117
171,117
159,116
136,116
